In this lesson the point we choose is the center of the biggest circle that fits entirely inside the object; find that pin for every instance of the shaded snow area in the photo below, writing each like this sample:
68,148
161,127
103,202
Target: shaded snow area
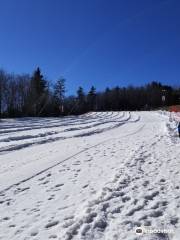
96,176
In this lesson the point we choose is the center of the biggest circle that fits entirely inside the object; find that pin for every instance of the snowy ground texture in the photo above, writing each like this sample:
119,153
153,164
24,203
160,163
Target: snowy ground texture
96,176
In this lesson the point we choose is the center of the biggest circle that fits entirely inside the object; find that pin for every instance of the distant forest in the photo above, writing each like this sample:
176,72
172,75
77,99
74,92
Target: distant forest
34,96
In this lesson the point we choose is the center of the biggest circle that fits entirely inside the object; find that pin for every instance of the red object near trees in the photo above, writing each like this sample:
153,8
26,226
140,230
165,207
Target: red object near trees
174,108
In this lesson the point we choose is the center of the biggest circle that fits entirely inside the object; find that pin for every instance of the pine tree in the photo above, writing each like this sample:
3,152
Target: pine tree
59,93
38,83
38,92
80,94
92,99
81,98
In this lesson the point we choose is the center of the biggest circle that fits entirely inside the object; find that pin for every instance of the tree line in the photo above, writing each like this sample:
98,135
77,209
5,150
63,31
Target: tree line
34,96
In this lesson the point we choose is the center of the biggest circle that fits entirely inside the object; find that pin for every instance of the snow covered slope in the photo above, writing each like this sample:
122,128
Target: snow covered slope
96,176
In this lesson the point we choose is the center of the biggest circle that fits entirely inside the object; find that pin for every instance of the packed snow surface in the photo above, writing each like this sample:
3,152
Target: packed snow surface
97,176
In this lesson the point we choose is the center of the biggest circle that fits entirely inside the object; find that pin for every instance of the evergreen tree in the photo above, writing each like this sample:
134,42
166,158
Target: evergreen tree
59,94
91,98
38,92
80,95
38,84
81,100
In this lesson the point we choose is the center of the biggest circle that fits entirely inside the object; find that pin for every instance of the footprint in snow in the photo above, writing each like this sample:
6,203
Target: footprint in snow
59,185
12,226
66,197
125,199
158,236
145,183
52,224
45,182
53,236
6,218
41,179
51,197
162,180
152,195
174,220
88,160
19,190
34,232
156,214
76,163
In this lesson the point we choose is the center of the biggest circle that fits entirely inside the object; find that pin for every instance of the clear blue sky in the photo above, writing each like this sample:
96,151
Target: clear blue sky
99,42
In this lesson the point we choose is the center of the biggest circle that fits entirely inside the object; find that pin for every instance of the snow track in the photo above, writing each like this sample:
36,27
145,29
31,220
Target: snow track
98,176
15,141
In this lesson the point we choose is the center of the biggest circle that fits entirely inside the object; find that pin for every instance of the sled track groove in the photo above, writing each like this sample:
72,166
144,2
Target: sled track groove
66,159
115,124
